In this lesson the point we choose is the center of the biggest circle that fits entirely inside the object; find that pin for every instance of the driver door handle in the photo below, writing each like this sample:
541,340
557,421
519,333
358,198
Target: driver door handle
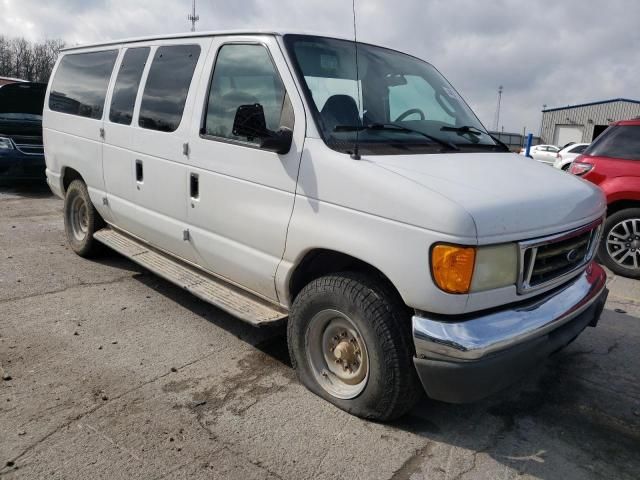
194,186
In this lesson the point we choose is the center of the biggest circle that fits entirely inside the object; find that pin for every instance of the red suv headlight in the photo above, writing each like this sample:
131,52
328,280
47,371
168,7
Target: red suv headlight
580,168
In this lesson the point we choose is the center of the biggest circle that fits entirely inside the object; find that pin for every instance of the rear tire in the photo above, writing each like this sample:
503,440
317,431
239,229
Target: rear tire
566,167
81,220
619,249
350,341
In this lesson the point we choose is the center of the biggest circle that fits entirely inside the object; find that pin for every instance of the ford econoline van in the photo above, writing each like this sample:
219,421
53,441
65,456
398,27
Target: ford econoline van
362,202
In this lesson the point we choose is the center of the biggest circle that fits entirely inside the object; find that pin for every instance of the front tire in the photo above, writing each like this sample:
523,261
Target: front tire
81,220
350,342
619,248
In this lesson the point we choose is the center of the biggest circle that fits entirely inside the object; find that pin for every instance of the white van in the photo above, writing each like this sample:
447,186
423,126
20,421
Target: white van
369,209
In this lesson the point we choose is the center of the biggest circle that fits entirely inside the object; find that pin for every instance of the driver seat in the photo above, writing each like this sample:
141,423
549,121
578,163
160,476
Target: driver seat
340,110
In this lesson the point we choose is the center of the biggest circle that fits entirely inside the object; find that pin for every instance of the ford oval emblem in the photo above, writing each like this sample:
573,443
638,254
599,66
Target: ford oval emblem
572,255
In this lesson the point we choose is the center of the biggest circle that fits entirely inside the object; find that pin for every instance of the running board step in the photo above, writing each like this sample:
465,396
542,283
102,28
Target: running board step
211,289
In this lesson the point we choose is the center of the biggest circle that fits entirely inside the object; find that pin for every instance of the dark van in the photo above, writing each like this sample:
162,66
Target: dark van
21,150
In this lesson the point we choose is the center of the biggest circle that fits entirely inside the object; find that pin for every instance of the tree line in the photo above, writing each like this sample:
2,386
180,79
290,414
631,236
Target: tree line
32,61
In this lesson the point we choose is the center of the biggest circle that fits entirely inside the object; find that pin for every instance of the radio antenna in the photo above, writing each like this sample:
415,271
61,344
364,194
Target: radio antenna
193,17
356,151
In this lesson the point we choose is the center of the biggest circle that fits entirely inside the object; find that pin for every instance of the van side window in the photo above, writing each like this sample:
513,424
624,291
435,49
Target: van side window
244,74
165,92
80,83
127,83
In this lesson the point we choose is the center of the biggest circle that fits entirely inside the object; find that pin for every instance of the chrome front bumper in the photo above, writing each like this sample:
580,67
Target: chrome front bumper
502,343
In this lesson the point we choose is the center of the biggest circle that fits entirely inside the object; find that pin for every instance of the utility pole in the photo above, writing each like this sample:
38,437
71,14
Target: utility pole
192,17
497,118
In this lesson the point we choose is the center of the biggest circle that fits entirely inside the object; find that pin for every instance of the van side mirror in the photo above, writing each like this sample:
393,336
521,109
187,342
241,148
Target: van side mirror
250,122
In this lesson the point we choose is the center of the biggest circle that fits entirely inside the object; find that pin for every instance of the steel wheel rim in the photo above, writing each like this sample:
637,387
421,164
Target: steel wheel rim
78,218
337,354
623,243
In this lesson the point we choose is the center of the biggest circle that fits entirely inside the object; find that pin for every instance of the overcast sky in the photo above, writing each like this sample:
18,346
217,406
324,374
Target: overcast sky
554,52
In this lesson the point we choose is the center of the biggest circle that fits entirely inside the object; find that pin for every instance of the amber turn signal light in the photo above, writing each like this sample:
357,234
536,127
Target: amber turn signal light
452,267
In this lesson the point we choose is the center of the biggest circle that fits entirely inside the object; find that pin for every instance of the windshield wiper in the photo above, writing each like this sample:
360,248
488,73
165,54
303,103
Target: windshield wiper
465,129
474,131
393,127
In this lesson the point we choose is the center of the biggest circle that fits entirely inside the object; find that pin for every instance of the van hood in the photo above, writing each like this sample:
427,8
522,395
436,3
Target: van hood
508,196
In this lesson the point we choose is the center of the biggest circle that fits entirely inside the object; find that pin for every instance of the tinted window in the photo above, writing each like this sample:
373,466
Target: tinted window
245,75
165,93
579,149
80,84
622,141
126,88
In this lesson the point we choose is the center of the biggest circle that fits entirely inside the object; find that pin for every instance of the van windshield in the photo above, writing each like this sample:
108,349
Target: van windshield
396,104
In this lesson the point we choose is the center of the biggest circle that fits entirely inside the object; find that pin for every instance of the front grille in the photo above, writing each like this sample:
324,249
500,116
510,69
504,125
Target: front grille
28,144
553,259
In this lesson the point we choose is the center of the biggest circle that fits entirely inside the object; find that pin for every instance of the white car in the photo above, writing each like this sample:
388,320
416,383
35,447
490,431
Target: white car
403,246
568,154
543,153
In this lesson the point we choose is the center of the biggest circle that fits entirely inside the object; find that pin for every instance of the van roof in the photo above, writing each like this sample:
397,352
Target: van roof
195,35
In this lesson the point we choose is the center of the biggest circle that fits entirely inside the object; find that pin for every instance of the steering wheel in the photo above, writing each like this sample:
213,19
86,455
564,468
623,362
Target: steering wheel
411,111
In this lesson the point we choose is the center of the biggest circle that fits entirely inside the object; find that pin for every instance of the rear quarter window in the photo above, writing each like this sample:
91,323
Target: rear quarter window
165,92
80,83
578,149
620,141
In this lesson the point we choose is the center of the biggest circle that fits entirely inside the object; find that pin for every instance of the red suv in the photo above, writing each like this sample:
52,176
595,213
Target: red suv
612,162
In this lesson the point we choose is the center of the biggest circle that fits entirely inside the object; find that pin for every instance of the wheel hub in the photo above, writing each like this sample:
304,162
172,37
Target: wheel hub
337,354
346,353
78,218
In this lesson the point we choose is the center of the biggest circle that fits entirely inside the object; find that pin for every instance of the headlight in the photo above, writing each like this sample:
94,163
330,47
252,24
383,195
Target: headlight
459,269
6,143
496,266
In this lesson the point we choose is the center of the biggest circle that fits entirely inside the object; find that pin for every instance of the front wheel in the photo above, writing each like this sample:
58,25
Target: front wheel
81,220
619,249
350,341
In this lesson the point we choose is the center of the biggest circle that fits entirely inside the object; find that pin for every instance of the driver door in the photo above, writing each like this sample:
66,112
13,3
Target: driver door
241,196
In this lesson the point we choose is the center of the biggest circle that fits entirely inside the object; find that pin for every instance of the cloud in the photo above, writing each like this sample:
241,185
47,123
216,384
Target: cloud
543,52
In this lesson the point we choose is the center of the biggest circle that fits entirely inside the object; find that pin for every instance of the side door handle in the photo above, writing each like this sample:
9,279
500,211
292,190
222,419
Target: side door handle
139,171
194,186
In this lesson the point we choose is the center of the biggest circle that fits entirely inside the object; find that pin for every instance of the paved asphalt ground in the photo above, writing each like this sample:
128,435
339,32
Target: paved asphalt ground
116,373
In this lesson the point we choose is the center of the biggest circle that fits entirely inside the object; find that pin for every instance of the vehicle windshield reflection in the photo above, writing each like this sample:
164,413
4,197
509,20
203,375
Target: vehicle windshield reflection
389,88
